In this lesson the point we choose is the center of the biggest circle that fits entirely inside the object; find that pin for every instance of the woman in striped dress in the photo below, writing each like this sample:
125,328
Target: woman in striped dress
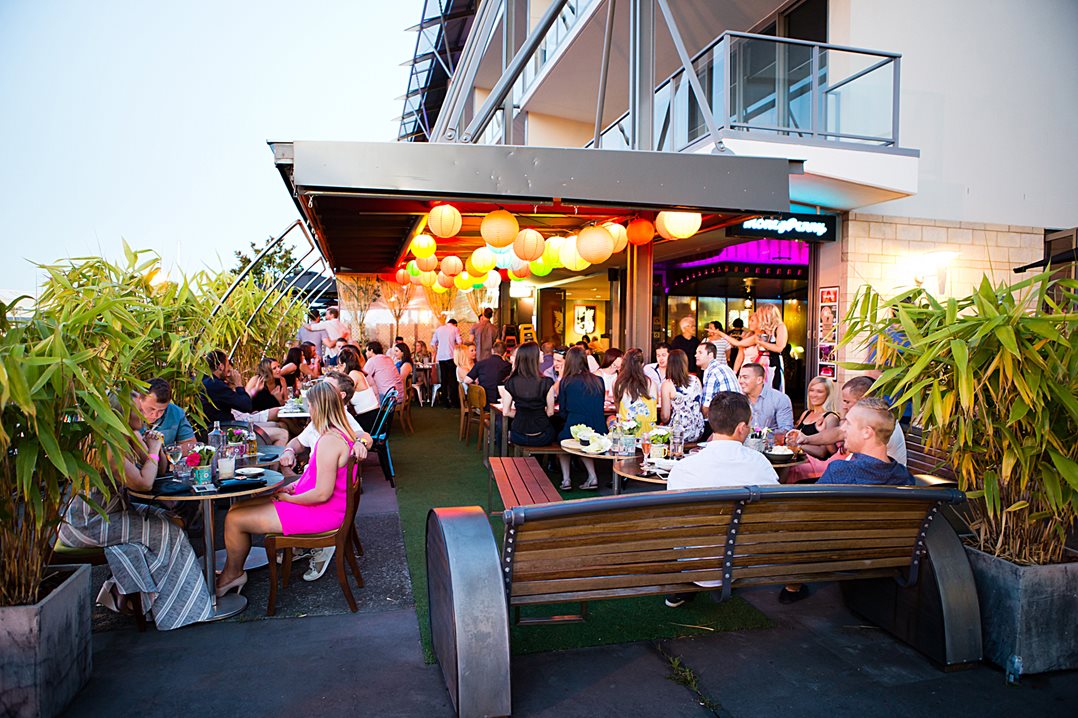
147,553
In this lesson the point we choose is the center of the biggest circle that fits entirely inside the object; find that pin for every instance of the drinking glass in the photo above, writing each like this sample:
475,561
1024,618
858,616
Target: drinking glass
645,446
677,446
175,455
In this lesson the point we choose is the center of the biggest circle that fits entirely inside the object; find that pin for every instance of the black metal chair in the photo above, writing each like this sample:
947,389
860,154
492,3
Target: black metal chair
383,423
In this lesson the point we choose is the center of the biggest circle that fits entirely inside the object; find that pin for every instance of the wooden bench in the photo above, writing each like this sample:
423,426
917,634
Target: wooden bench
659,543
930,466
520,481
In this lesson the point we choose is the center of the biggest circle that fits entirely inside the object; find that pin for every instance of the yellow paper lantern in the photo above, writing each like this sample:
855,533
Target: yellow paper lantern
441,289
570,257
423,246
595,245
640,231
402,276
499,228
428,279
678,225
444,220
452,266
444,280
528,245
427,264
552,253
483,260
463,280
617,231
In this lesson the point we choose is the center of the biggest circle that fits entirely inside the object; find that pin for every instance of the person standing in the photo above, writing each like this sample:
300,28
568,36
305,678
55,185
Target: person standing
686,341
333,327
483,334
716,337
314,336
444,344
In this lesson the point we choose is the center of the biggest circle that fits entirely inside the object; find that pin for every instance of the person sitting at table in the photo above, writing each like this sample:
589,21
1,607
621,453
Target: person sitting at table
579,396
147,553
331,356
312,362
557,363
402,359
546,358
164,417
420,352
491,372
724,461
771,409
656,370
223,389
718,376
634,394
608,372
315,503
526,398
289,370
820,416
679,398
364,402
273,393
382,372
463,361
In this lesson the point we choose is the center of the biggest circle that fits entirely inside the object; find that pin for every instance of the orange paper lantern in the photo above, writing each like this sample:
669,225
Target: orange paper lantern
499,228
452,266
402,276
428,279
640,231
595,245
445,280
617,231
444,220
427,264
520,270
528,245
423,246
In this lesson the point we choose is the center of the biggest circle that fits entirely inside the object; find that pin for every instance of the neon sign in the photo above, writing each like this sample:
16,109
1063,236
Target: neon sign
808,227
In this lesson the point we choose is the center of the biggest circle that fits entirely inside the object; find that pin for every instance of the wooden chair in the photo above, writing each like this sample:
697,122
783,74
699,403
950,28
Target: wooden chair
463,396
404,407
345,539
476,412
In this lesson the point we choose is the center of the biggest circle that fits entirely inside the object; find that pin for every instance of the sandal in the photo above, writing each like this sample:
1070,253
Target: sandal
565,485
591,484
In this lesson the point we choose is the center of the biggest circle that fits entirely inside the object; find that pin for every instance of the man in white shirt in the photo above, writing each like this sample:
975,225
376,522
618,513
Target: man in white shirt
723,462
443,343
333,327
656,371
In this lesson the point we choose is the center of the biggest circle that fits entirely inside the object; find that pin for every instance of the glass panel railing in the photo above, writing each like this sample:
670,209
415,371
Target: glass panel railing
562,28
858,96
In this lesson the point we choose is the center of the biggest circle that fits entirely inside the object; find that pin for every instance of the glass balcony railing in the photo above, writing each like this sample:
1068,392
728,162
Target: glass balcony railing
777,86
562,28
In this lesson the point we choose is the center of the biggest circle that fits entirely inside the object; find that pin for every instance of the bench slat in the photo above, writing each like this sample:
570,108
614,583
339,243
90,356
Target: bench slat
542,481
824,566
653,568
647,544
521,482
818,577
574,596
763,536
629,515
574,561
778,517
505,485
585,529
679,537
533,588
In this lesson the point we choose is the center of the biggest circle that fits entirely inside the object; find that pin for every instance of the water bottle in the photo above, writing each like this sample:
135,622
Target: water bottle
677,443
216,439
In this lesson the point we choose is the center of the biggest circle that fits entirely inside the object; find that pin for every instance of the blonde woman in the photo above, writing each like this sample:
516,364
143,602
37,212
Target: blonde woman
772,339
821,415
464,358
314,503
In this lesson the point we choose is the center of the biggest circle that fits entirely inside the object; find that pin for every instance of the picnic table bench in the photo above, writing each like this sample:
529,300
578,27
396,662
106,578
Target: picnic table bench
659,543
520,481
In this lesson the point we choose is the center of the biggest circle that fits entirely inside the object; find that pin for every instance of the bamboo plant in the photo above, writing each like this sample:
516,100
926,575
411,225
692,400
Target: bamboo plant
993,379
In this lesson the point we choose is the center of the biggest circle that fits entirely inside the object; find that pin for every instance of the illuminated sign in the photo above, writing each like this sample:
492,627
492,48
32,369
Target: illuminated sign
807,227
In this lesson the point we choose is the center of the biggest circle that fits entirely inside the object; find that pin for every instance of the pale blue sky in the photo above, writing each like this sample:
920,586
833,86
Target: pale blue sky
148,121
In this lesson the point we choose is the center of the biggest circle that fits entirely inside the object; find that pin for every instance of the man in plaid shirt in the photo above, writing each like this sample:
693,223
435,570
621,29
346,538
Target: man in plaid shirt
718,376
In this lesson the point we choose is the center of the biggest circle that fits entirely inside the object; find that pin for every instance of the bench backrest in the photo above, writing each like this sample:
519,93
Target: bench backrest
922,460
642,544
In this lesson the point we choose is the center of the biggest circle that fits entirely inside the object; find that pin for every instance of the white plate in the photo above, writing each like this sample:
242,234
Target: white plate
250,471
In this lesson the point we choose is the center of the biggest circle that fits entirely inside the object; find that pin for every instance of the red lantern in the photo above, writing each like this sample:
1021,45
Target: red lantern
640,231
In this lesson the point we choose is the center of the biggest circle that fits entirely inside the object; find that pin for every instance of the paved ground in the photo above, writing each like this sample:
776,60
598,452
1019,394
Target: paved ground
818,660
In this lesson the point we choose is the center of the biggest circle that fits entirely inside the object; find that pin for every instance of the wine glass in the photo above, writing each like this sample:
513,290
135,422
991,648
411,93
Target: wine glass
174,452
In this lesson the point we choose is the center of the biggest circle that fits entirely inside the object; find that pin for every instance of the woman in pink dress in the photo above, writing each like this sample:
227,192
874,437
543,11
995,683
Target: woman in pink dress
315,503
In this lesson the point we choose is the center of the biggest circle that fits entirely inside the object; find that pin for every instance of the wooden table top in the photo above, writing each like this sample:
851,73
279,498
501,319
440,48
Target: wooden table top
273,480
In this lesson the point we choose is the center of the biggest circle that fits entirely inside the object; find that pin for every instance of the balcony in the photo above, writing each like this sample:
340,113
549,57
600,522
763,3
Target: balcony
568,20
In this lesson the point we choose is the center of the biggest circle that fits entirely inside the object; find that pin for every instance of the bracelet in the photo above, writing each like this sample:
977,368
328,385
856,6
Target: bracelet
288,448
154,458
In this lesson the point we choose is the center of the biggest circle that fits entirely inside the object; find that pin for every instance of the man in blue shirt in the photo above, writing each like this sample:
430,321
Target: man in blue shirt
869,424
771,409
161,415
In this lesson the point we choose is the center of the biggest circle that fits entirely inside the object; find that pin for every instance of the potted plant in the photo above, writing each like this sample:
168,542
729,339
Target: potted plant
200,460
993,380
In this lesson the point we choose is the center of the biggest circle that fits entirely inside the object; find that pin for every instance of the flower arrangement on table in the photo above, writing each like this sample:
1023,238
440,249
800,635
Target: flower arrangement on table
235,436
660,435
201,455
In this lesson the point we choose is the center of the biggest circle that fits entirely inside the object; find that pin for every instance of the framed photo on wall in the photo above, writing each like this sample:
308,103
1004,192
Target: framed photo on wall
827,330
584,319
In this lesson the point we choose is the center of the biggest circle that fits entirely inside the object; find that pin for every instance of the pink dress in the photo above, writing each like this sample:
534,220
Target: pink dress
318,518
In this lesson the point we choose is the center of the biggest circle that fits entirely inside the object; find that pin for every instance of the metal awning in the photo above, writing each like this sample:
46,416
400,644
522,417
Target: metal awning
364,201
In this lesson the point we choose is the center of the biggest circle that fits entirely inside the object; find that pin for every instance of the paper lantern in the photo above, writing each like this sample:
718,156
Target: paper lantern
428,279
413,268
444,220
570,257
493,281
520,270
402,276
452,266
463,281
480,280
552,253
540,268
594,244
427,264
441,289
640,231
505,260
621,237
528,245
507,249
499,228
483,260
677,225
416,279
423,246
444,280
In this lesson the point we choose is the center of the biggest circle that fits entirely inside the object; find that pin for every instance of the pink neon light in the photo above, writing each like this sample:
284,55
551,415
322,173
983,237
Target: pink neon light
760,251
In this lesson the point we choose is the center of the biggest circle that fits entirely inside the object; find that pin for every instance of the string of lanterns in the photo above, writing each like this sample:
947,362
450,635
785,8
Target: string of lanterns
524,252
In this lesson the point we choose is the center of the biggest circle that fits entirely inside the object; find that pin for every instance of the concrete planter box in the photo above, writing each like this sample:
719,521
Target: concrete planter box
1028,612
45,650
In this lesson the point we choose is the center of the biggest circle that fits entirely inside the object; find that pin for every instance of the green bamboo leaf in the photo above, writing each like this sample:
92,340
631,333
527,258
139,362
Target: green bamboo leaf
1016,506
1053,491
1006,337
1068,468
1019,409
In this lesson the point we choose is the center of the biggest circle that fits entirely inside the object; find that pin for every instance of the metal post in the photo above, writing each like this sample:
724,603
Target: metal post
894,102
269,292
690,71
638,293
509,47
446,127
642,73
505,83
815,92
251,266
600,101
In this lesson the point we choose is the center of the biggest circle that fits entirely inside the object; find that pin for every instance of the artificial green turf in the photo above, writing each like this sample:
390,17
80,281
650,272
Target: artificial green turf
433,468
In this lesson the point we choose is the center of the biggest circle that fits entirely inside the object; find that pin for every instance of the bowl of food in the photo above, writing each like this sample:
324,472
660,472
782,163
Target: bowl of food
779,454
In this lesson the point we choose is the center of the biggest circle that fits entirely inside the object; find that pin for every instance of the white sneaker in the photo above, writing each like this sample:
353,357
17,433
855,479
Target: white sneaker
321,558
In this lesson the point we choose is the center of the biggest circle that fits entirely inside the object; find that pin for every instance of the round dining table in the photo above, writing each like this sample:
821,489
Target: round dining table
232,603
634,468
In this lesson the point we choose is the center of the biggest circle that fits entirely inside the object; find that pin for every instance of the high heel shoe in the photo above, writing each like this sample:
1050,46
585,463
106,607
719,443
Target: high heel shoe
237,583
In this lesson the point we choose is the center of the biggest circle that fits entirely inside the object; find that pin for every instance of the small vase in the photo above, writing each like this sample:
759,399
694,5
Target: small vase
202,475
